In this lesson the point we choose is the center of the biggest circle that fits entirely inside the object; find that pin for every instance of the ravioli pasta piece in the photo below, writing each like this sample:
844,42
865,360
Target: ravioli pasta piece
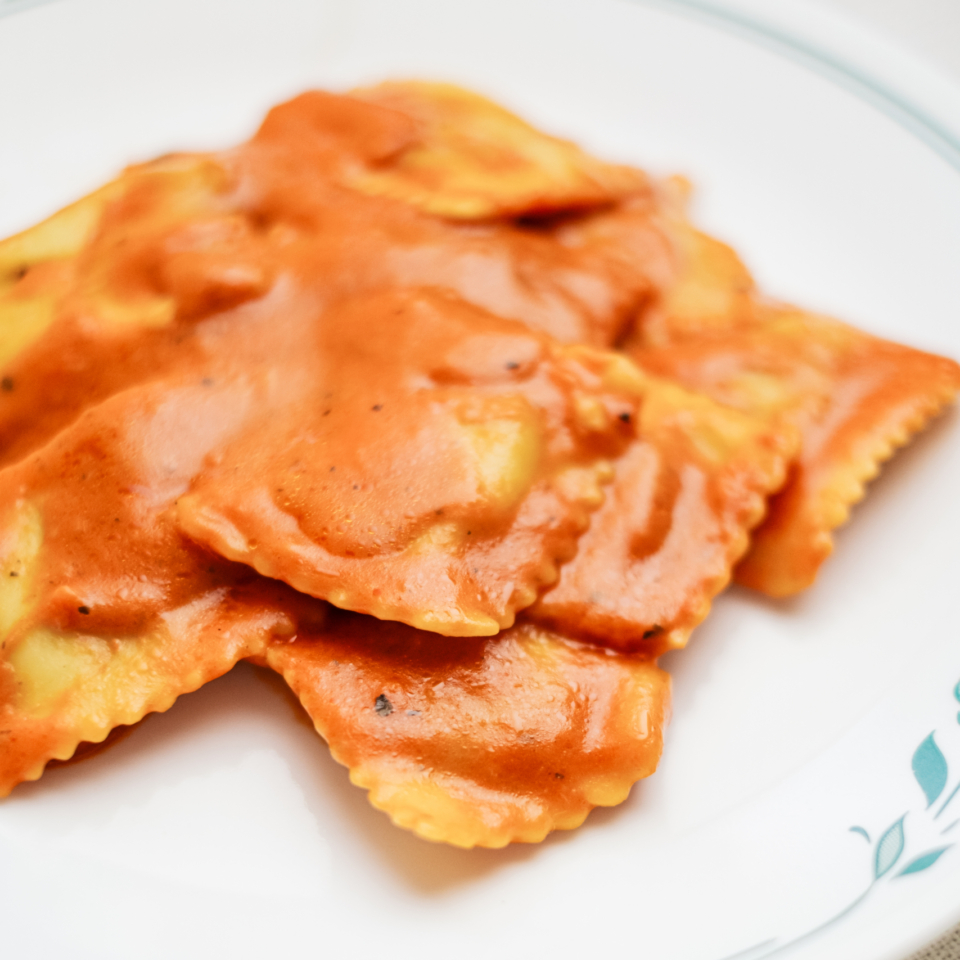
882,396
478,742
475,160
61,688
188,251
108,292
568,276
675,521
117,248
435,468
103,294
106,612
855,398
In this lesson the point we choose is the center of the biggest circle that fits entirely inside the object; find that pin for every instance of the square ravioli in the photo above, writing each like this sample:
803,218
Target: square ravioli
380,354
106,612
301,180
471,159
676,519
144,275
855,398
478,741
432,463
103,294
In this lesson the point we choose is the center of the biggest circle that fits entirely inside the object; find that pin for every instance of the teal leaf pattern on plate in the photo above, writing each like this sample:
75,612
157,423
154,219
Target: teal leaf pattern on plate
930,769
925,860
931,772
889,849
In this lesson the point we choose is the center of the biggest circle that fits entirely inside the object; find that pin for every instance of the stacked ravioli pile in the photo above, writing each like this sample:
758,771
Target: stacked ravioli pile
453,426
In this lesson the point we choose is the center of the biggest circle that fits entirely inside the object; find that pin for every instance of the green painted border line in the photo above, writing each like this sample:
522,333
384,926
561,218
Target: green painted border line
878,94
9,7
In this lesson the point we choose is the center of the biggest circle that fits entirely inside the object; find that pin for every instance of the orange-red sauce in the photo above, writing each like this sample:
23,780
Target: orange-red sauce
479,740
291,355
196,236
227,306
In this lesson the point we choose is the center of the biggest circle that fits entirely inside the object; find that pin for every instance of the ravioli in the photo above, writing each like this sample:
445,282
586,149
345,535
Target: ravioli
436,466
677,518
101,295
365,355
474,160
113,290
478,742
106,612
109,614
567,276
855,398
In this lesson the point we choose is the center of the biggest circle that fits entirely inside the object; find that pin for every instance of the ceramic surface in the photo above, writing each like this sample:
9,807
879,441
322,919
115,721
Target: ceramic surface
806,806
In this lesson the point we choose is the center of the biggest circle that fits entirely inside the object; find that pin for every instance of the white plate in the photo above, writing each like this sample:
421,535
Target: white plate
223,829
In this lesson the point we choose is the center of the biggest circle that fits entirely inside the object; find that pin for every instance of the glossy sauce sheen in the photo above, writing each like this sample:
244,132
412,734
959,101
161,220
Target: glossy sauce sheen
366,354
854,398
119,288
431,464
203,308
479,741
673,524
107,611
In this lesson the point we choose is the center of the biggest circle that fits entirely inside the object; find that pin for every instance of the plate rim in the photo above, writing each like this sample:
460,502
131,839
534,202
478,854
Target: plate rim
878,84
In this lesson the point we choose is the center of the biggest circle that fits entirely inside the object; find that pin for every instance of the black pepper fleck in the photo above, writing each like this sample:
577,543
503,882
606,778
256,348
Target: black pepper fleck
13,573
513,365
84,610
383,706
625,417
377,407
652,632
7,383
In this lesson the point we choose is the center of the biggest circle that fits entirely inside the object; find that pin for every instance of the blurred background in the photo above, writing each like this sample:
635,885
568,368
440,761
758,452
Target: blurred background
928,28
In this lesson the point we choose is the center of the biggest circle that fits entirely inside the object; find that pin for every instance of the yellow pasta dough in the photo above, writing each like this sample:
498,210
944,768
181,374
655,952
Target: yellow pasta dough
478,741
